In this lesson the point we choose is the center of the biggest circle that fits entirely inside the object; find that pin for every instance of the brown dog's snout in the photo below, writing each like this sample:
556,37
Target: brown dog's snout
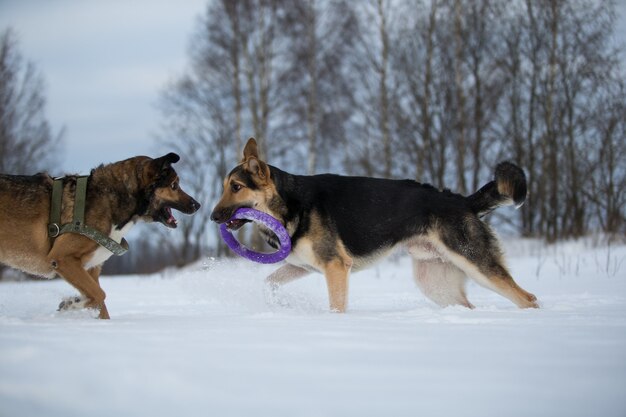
194,205
187,204
189,207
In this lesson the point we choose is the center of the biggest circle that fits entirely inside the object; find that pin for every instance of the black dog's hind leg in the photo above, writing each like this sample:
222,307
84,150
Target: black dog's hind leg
441,281
473,248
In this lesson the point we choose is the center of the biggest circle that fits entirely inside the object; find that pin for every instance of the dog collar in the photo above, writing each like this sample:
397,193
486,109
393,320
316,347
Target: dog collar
78,222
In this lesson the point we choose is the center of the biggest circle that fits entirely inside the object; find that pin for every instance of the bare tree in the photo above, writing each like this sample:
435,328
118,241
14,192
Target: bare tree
320,36
414,62
557,68
232,11
27,143
458,59
376,89
607,173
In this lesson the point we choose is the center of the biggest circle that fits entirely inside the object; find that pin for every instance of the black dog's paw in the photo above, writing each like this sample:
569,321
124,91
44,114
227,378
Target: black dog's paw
72,303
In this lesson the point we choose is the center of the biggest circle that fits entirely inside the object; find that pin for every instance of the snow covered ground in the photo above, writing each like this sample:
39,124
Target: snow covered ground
209,341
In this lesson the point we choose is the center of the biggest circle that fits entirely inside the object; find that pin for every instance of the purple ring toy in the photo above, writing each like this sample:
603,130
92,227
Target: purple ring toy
265,220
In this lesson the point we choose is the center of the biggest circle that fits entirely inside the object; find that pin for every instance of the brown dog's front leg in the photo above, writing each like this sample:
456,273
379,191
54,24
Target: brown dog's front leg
104,313
72,271
95,274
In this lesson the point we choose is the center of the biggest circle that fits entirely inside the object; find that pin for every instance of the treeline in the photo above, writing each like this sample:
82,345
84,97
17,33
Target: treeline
438,90
28,143
435,90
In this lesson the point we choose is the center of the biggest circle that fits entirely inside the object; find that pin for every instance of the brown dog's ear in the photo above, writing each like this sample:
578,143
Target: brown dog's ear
166,160
159,167
250,150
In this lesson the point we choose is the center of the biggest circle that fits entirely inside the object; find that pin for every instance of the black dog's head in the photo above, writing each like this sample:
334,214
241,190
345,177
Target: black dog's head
162,193
249,184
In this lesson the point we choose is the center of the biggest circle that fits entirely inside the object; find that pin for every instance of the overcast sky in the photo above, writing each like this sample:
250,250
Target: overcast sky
104,64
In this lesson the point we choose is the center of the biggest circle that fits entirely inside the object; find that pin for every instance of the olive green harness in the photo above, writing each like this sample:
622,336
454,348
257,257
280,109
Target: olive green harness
78,222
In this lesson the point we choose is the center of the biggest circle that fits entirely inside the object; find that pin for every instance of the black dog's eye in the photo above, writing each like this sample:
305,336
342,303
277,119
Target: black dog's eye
235,187
174,186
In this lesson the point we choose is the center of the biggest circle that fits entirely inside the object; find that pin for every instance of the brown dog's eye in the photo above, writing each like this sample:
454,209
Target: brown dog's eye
235,187
174,186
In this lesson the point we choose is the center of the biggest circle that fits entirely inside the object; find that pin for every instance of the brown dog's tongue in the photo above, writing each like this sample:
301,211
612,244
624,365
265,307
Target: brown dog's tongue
171,219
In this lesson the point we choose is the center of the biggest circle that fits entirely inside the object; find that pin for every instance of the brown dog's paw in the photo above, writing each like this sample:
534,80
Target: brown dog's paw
72,303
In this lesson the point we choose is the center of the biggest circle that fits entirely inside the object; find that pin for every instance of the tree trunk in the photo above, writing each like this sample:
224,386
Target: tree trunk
384,93
460,99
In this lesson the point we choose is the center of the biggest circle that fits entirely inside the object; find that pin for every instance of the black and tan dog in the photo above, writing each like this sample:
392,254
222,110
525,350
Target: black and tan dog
118,196
340,224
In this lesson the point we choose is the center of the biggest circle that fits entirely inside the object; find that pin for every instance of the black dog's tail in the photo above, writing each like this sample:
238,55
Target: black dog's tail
508,187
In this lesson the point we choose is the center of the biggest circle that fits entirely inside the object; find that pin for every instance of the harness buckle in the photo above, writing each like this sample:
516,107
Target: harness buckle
53,230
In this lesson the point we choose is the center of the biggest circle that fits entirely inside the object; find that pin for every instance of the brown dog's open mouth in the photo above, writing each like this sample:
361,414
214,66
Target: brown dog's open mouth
167,218
236,224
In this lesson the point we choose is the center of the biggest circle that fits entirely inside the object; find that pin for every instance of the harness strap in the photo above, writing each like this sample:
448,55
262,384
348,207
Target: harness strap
55,208
77,225
79,200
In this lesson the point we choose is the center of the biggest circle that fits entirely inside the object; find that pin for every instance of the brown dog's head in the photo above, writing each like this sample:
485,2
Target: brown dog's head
249,184
162,190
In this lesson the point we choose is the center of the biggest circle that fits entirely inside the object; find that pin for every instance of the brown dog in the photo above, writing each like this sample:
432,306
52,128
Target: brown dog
118,196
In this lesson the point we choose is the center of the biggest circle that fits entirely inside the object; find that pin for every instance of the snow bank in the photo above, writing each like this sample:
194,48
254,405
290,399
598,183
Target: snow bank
210,340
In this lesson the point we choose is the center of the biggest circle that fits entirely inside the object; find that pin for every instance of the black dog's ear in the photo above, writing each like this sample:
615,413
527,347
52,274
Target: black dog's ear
258,169
250,150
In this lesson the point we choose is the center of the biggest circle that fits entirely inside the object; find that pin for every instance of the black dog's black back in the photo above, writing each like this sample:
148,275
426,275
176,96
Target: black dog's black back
369,214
